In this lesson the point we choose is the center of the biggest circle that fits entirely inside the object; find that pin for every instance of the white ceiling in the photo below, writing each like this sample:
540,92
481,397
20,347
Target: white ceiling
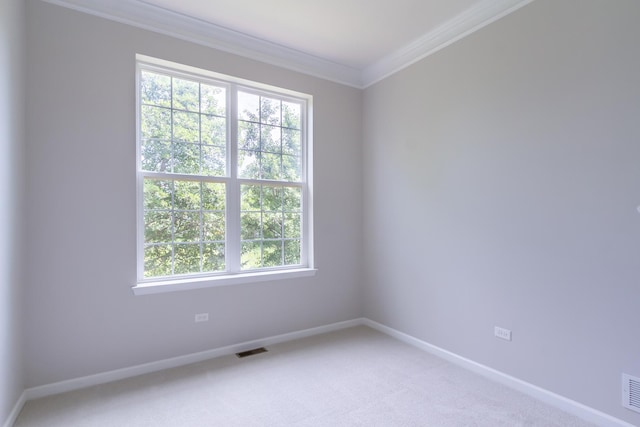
355,42
355,33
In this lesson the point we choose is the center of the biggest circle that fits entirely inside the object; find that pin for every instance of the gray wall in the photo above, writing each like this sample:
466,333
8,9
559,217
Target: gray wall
11,189
500,188
501,180
82,316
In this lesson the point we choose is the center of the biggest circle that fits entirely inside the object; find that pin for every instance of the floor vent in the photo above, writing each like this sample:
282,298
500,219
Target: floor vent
251,352
631,392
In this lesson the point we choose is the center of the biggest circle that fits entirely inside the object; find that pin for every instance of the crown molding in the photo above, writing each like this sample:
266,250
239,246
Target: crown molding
469,21
154,18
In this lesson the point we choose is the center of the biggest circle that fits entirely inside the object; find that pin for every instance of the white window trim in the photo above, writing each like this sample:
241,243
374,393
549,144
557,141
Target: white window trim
204,280
185,284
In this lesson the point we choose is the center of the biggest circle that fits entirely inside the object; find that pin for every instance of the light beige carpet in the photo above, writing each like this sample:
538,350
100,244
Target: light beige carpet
353,377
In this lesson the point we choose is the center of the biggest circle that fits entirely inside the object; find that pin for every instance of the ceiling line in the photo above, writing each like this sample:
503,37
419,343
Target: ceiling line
157,19
460,26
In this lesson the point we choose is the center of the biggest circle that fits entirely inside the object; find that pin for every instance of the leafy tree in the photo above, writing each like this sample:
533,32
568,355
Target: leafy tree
184,131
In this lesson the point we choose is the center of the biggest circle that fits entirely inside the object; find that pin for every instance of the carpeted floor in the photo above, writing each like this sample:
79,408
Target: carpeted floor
353,377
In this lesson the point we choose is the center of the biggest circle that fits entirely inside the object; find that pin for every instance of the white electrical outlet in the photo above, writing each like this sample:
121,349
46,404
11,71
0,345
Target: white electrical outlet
202,317
502,333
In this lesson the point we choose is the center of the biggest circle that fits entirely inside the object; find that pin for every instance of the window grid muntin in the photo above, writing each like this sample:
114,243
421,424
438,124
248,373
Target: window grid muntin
181,177
232,182
271,182
261,123
174,142
282,212
172,210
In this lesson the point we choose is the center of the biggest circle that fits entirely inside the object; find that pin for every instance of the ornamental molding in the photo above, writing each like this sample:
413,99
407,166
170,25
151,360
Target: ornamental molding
157,19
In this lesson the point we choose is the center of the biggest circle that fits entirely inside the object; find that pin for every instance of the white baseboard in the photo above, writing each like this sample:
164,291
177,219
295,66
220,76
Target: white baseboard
118,374
571,406
13,416
587,413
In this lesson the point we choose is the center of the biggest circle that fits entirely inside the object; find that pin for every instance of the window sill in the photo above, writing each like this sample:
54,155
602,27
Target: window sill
146,288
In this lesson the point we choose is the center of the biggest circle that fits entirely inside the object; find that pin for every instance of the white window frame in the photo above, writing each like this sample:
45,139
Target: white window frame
233,275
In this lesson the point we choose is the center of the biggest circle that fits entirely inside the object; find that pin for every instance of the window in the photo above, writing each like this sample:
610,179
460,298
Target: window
223,177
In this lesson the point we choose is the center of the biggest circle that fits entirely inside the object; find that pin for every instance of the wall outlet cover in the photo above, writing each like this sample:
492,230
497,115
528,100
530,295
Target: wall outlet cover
202,317
502,333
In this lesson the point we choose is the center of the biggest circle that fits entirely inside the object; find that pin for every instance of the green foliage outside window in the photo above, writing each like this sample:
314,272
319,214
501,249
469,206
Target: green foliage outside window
184,154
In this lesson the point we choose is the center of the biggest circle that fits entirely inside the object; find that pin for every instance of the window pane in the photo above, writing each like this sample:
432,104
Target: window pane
250,197
155,123
214,161
270,139
270,111
248,135
184,130
214,100
291,168
272,198
157,194
157,227
292,199
213,226
262,220
157,260
186,95
187,195
214,130
272,253
186,158
292,226
291,252
186,226
291,142
155,155
249,164
213,257
155,89
178,211
251,256
186,126
248,107
251,226
270,166
213,196
272,225
291,115
186,259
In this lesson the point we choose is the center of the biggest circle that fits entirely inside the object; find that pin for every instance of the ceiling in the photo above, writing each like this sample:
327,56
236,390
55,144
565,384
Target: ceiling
355,42
355,33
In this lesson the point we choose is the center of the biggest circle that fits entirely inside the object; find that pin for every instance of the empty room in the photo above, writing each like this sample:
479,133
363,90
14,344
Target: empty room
357,213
